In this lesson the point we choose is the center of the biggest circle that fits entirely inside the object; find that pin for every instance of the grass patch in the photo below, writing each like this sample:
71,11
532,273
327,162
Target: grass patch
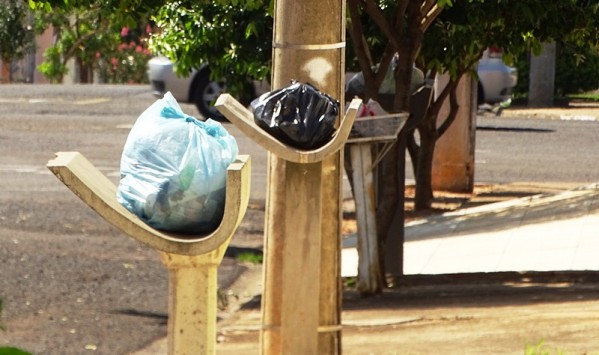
541,349
249,257
9,350
590,96
12,351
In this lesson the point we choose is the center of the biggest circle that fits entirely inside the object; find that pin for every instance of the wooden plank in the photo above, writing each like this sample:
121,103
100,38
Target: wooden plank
98,192
193,264
368,250
244,120
274,239
192,302
301,260
331,288
292,266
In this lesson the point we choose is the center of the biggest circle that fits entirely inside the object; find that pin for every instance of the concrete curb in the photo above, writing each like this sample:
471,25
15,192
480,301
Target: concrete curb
565,114
524,202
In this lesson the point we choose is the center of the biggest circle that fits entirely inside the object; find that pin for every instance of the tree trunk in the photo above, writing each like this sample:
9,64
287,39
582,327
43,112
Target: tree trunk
390,214
387,201
5,74
542,77
453,161
428,137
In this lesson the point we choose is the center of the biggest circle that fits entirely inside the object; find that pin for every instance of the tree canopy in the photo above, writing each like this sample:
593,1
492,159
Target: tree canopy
16,35
234,40
457,39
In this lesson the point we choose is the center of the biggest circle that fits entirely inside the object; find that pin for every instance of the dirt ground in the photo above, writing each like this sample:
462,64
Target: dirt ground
498,313
507,313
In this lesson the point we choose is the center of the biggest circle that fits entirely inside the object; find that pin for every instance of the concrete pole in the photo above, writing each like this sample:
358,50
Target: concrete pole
304,200
453,161
542,77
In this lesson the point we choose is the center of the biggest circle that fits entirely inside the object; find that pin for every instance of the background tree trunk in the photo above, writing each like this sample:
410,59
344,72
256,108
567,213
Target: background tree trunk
428,137
453,160
542,77
5,75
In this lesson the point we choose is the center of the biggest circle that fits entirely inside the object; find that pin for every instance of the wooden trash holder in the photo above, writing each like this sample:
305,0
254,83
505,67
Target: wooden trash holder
192,260
292,269
367,132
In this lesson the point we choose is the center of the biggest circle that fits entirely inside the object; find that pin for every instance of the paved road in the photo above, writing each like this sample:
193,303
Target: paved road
519,149
71,282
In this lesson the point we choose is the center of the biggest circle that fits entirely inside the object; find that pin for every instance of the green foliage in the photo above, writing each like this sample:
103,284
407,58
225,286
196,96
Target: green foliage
576,70
96,38
9,350
255,258
234,40
15,36
1,325
540,349
12,351
126,58
52,67
587,96
350,282
464,31
126,12
129,6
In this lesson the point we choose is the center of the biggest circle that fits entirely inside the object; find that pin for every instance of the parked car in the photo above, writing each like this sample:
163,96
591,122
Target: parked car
495,84
496,80
196,88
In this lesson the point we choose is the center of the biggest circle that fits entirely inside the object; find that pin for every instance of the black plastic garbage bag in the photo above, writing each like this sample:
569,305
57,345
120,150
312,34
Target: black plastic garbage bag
298,115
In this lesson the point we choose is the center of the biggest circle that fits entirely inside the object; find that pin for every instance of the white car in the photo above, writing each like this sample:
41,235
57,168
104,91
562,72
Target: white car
496,80
196,88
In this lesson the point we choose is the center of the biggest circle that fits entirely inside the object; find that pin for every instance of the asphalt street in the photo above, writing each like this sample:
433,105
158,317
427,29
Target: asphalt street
71,284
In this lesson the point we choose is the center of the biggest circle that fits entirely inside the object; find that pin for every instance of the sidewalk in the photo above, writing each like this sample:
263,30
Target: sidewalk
480,313
547,232
584,111
539,233
465,310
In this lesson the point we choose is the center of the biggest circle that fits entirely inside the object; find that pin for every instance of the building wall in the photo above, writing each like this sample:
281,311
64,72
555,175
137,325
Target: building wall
42,42
25,70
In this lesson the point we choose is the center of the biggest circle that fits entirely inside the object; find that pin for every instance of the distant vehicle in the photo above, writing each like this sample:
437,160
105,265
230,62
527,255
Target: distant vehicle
196,88
495,84
496,80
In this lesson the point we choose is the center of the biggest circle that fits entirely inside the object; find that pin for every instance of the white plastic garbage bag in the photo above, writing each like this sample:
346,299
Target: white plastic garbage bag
173,169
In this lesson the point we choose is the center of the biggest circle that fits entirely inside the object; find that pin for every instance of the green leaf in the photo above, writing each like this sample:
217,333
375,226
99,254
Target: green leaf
12,351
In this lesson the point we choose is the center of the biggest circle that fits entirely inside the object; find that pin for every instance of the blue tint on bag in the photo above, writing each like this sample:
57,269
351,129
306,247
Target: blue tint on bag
173,169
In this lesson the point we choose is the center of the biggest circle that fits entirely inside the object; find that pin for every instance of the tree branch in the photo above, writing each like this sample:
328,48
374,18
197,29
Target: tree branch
436,105
427,5
100,28
453,107
400,12
357,35
375,13
430,17
384,65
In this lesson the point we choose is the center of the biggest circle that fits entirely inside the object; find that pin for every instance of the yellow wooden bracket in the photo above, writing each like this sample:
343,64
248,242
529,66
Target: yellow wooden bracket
97,191
192,261
244,120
